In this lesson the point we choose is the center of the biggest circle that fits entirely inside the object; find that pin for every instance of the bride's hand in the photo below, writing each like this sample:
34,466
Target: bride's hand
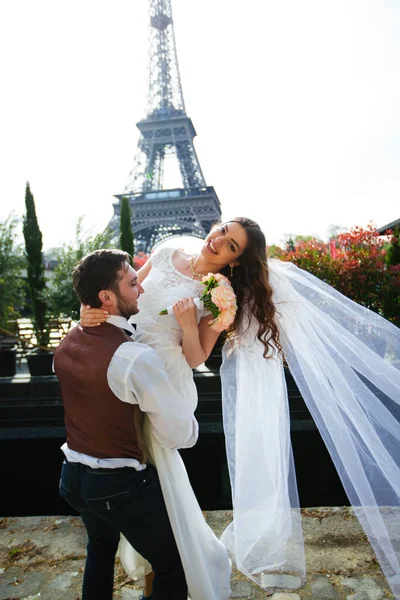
91,317
185,313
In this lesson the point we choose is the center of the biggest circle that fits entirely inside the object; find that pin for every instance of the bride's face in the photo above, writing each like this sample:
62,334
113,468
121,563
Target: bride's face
224,244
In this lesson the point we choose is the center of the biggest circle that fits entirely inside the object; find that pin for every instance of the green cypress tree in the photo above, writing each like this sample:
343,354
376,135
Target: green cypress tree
126,237
391,304
393,253
36,277
290,245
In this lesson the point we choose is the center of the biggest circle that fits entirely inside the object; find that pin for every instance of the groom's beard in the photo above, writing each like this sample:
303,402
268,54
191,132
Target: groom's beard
126,308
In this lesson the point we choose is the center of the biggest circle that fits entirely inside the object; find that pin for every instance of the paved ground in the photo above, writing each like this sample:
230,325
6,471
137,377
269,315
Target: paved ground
42,558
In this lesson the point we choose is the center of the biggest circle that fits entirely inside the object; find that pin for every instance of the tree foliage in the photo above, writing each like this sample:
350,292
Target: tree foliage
139,260
61,296
393,252
392,301
355,263
126,237
35,266
12,262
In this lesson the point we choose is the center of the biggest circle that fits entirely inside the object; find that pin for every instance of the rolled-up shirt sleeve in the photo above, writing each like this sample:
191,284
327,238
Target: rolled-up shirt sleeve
137,375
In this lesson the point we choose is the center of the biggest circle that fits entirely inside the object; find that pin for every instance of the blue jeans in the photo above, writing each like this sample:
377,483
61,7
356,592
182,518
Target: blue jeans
123,500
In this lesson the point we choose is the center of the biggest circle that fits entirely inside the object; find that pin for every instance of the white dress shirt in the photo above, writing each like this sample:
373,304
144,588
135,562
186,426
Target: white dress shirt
137,375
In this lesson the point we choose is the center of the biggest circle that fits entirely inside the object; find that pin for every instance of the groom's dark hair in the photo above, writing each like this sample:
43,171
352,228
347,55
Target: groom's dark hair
99,270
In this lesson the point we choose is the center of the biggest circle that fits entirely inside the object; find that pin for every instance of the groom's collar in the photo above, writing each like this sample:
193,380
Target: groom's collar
122,323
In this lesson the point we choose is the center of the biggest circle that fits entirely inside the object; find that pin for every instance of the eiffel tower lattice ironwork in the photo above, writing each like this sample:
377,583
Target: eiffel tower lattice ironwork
166,134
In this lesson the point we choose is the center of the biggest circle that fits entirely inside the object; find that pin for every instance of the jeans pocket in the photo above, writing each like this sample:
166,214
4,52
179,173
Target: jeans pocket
62,489
108,503
72,499
115,501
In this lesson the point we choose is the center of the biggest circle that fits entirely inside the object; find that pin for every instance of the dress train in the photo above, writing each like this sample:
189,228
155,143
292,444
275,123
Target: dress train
204,558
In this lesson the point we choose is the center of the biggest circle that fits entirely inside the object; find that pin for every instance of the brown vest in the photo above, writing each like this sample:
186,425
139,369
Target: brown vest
97,422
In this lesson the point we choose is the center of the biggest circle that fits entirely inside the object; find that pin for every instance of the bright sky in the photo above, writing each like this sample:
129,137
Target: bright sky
295,103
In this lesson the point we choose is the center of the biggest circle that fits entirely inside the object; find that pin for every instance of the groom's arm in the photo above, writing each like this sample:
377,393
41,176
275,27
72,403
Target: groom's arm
137,375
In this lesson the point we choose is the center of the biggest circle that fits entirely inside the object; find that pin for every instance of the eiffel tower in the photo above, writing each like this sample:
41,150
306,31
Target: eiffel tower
166,134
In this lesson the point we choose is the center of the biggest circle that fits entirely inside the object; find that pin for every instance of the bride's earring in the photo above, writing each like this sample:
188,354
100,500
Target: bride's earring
231,266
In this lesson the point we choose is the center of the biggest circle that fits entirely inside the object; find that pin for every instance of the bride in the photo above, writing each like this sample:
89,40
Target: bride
345,360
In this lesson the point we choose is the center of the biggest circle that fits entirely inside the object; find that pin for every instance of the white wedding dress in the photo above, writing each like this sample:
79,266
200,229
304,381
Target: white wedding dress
205,559
345,360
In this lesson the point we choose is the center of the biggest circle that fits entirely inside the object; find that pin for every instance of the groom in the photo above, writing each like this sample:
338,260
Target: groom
107,382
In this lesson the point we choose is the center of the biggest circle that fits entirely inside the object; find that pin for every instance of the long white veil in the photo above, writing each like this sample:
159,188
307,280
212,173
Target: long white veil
345,360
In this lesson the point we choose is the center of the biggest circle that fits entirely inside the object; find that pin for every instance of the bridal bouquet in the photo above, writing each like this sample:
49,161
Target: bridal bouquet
219,298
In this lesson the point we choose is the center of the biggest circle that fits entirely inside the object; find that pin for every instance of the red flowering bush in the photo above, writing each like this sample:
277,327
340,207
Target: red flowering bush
313,256
139,260
363,274
354,263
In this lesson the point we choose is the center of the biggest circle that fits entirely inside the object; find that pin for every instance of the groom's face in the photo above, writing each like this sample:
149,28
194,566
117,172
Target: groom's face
129,291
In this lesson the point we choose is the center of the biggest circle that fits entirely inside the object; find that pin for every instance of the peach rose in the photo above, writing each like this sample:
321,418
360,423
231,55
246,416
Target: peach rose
224,320
223,296
207,277
218,277
222,279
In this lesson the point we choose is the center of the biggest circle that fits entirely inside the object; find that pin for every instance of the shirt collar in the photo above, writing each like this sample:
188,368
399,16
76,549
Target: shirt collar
120,322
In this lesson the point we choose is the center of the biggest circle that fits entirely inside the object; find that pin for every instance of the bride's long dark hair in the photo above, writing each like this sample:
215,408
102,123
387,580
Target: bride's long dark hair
250,281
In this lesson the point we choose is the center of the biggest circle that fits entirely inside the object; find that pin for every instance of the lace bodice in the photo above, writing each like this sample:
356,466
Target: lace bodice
163,286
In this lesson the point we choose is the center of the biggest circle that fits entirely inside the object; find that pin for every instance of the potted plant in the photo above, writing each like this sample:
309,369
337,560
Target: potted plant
8,356
40,361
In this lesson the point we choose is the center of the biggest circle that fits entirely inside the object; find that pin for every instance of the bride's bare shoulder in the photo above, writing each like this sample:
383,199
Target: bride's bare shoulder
182,254
181,257
181,260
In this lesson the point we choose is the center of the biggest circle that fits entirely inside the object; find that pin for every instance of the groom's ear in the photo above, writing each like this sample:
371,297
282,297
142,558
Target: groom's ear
106,297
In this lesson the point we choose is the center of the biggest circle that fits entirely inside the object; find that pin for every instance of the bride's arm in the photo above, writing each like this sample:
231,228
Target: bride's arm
208,337
197,340
144,271
91,317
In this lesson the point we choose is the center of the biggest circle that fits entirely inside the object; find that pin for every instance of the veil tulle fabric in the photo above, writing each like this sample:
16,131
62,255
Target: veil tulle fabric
345,360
